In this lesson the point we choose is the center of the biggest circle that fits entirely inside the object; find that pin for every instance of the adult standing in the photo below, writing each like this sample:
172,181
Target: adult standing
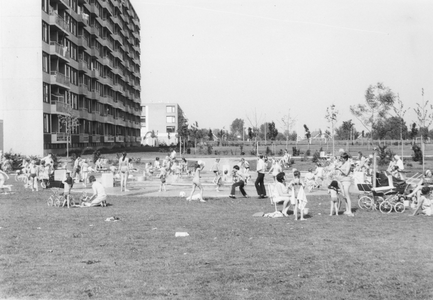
124,171
346,181
260,185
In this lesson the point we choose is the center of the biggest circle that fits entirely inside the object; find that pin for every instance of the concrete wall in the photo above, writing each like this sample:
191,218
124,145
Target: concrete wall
21,76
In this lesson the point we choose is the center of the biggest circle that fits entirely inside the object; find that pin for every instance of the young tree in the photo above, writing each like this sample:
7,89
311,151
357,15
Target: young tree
210,135
425,118
288,122
379,100
331,117
69,121
346,131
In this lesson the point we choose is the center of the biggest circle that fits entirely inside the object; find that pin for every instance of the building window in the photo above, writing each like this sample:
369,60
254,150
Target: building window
45,62
46,90
45,32
143,121
47,123
171,119
45,5
170,109
170,129
74,101
73,76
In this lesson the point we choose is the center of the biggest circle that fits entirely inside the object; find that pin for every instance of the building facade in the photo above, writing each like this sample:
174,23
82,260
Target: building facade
73,58
159,123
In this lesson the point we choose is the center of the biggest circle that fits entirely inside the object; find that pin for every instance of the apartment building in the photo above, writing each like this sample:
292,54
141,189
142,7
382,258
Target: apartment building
159,123
74,58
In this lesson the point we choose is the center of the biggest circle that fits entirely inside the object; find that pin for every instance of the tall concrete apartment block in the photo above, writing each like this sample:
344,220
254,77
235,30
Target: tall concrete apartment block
159,123
77,58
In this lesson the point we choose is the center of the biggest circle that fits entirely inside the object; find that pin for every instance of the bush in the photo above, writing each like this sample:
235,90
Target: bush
316,156
268,151
209,149
385,155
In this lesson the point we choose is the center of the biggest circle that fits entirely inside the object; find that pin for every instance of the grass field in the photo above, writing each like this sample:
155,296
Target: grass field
59,253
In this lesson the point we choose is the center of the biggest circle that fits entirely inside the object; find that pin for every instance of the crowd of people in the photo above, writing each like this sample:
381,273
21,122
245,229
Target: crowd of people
335,173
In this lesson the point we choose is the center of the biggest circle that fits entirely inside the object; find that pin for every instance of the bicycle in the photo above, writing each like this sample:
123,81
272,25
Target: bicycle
56,199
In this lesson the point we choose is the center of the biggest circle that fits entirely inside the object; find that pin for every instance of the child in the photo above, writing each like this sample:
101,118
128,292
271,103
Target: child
67,186
298,198
238,181
216,170
183,166
333,191
33,176
310,182
245,169
3,178
84,171
196,182
156,164
424,202
162,176
275,169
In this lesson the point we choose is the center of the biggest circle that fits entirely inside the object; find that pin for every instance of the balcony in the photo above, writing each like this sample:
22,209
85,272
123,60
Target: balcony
84,89
58,106
59,22
120,122
120,139
60,50
82,42
84,113
83,18
106,5
58,138
107,62
92,8
96,138
110,119
83,138
108,139
60,79
128,139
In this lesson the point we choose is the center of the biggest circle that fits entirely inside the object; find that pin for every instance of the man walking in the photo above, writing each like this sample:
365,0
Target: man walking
260,185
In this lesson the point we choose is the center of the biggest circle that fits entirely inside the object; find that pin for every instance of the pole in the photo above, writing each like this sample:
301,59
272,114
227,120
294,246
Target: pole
374,169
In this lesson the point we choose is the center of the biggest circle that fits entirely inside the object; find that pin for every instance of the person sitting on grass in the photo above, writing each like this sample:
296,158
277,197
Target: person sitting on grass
99,196
427,180
196,183
67,187
424,203
238,181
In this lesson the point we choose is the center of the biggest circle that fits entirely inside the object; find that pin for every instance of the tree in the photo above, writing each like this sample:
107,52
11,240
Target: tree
379,100
331,117
413,131
346,131
69,121
288,122
272,131
182,129
425,118
237,127
210,134
393,128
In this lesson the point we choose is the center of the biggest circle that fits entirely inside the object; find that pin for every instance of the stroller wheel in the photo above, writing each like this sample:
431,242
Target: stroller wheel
399,207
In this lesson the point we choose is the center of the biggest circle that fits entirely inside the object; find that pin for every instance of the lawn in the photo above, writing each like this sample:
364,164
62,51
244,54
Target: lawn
60,253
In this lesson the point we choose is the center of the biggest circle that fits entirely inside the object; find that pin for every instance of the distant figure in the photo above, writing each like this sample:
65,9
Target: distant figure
238,181
333,191
124,171
261,170
196,183
217,172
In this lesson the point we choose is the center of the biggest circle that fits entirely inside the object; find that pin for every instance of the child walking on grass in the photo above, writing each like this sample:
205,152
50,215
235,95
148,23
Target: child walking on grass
162,176
196,183
333,191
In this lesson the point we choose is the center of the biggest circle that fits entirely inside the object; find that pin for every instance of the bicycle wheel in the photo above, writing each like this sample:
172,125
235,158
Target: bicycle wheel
399,207
365,202
385,207
57,201
43,185
50,201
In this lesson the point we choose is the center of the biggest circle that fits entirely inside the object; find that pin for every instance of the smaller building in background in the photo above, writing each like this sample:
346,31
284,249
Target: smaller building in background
159,123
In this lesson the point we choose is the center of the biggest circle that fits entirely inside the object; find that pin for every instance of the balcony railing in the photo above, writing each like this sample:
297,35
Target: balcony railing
54,17
61,78
83,138
96,138
108,139
120,139
58,137
60,50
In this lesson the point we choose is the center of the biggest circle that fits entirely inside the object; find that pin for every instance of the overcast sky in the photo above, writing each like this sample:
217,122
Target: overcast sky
227,59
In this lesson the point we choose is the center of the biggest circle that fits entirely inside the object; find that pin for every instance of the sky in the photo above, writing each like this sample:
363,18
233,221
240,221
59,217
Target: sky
261,60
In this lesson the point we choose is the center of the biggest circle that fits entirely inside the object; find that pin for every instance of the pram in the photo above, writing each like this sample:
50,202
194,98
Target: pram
388,195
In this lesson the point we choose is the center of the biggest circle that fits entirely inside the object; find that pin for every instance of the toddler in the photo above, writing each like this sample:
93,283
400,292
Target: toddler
333,191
